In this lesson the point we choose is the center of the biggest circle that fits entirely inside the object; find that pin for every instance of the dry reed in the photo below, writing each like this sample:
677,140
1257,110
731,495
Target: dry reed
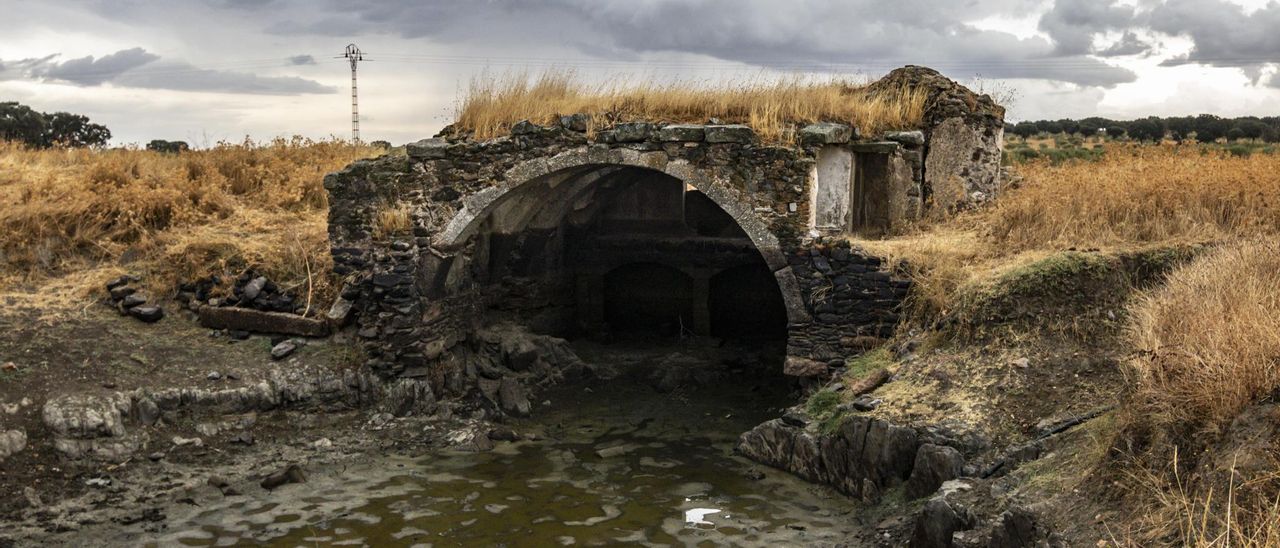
773,108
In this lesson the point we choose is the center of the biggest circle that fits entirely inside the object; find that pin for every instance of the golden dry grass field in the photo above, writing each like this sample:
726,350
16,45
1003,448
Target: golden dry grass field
73,218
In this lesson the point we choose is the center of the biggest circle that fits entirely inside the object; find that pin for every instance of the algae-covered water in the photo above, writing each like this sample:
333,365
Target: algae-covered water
616,463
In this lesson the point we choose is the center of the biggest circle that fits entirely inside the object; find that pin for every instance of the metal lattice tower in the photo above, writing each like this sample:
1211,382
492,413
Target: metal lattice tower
354,56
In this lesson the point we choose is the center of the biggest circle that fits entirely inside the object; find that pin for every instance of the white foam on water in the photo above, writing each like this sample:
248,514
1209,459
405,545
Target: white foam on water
694,516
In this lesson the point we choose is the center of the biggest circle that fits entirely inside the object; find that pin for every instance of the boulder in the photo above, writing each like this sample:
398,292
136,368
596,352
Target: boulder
520,353
120,292
289,474
147,313
283,350
1017,528
513,397
934,464
251,290
936,524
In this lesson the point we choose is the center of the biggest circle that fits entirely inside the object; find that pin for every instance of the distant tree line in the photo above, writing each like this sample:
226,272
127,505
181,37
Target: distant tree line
1204,128
43,130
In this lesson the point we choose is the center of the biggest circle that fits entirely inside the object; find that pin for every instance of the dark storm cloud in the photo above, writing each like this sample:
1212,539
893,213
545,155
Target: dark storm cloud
182,76
809,34
1223,33
1128,44
139,68
1072,24
88,71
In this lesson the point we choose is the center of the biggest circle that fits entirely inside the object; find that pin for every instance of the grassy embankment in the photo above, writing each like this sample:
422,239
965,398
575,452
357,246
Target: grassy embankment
74,218
774,108
1204,345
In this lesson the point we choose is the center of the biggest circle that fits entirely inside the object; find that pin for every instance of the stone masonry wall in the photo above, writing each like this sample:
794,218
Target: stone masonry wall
411,307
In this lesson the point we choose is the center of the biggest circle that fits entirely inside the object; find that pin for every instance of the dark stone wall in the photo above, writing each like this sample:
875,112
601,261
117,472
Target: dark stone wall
853,298
421,291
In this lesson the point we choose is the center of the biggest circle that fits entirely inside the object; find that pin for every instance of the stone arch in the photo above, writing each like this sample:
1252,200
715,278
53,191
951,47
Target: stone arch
579,168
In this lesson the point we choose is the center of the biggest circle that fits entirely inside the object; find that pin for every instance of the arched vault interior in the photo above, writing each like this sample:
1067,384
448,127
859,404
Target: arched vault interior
611,248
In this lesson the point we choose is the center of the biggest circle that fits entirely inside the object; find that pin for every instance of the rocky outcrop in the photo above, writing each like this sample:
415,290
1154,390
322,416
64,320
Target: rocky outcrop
862,458
934,465
112,427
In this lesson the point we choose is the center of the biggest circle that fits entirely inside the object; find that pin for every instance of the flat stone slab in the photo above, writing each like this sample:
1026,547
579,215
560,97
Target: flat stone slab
732,133
877,147
826,133
682,132
246,319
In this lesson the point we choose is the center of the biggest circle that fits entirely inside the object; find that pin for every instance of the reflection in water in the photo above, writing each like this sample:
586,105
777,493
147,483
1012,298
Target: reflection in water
617,463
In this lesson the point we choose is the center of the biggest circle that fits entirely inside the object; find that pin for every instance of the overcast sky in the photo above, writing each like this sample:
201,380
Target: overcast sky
208,70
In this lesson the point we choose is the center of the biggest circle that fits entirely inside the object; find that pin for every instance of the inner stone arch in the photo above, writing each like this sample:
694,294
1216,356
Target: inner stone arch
611,249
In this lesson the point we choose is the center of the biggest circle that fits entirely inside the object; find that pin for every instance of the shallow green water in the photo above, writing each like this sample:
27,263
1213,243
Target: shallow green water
669,477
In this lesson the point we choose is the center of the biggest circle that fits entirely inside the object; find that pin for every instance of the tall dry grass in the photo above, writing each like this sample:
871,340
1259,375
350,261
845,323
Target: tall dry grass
773,108
1209,339
170,217
1133,197
1140,195
1208,346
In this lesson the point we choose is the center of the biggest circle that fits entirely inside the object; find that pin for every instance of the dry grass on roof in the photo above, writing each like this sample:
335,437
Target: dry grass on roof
774,108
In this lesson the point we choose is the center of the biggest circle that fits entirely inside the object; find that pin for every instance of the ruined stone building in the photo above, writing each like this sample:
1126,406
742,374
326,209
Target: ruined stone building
674,228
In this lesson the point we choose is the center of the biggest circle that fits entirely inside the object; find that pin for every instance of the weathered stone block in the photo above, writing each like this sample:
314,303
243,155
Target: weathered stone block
631,132
576,122
428,149
915,138
826,133
877,147
731,133
682,132
246,319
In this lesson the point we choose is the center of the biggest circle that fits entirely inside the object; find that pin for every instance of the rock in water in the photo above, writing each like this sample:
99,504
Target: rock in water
147,313
282,350
290,474
513,398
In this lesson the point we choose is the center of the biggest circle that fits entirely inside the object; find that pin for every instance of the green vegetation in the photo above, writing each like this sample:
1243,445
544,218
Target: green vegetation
868,362
824,408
